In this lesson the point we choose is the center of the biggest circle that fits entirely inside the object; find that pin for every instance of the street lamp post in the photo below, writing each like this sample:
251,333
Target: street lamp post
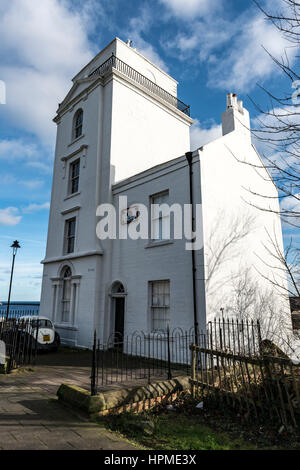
15,246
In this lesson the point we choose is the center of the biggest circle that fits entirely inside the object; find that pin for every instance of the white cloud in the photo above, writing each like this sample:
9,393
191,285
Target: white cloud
139,25
35,156
247,60
32,184
277,117
27,278
149,52
190,8
44,34
36,207
9,180
9,216
272,137
43,44
201,136
41,166
232,49
205,37
16,149
26,269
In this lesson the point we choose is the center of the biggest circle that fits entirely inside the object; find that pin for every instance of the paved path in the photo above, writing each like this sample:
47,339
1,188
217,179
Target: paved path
31,418
73,367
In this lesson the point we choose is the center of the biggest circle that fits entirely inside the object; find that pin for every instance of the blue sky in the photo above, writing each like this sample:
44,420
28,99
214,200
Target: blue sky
211,47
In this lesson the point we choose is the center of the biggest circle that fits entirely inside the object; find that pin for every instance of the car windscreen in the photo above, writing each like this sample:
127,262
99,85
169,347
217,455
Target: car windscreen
41,323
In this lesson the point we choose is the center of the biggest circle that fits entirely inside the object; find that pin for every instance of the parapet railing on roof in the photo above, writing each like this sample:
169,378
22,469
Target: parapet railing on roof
118,64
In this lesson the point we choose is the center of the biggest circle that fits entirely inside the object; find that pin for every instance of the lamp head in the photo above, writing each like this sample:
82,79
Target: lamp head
15,245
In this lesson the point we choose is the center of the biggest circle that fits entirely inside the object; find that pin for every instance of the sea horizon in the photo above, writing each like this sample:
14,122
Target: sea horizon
20,308
20,302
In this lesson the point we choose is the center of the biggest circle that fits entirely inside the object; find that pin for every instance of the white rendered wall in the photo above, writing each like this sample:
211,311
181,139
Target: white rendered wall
85,260
144,130
144,133
140,63
226,182
86,199
137,262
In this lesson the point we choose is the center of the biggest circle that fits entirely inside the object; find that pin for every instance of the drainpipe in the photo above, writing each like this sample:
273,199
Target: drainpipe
189,157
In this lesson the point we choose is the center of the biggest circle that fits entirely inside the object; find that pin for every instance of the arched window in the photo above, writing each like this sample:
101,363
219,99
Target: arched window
117,288
66,294
77,124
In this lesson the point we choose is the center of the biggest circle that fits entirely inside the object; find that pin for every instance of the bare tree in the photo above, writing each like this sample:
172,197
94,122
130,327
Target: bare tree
250,301
246,291
285,265
278,134
278,126
222,246
244,295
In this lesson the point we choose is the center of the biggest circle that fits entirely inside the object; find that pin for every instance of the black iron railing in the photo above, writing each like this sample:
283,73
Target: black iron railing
118,64
261,388
141,356
167,354
18,343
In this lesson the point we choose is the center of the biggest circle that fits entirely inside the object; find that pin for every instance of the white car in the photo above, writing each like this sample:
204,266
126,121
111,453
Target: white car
42,330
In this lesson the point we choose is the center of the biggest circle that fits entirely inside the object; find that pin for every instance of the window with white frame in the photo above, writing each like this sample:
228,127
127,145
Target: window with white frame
66,294
77,124
160,219
69,243
74,177
160,305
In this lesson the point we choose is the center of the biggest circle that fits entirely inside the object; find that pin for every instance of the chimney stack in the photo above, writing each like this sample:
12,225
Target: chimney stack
236,118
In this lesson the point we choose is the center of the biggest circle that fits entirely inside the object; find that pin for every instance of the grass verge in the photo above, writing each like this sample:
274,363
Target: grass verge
187,428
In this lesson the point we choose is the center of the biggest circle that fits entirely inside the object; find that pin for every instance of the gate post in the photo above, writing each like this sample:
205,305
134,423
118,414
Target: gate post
193,367
94,367
169,355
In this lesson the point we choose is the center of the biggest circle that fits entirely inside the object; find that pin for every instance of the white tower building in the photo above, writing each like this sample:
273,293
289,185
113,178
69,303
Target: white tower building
121,116
121,131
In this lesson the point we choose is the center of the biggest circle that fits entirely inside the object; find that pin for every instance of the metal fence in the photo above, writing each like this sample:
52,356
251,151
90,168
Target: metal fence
17,313
233,335
141,356
20,343
229,364
118,64
18,309
235,369
165,354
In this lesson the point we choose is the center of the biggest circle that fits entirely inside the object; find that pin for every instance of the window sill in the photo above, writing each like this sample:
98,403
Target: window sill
72,209
72,195
76,140
153,244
